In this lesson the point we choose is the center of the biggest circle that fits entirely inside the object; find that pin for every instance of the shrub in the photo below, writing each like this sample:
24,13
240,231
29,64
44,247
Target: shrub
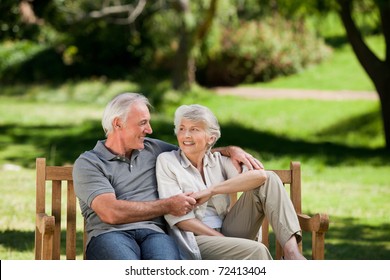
259,51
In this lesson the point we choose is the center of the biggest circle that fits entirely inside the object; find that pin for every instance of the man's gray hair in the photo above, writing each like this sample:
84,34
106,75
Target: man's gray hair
119,107
198,113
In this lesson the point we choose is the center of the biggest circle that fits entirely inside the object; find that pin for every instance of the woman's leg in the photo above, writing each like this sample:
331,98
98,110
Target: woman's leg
230,248
270,199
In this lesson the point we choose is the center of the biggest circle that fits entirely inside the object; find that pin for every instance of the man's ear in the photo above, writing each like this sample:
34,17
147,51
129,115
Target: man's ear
117,123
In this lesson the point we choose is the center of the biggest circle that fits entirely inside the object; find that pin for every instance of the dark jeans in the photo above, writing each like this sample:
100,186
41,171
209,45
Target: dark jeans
139,244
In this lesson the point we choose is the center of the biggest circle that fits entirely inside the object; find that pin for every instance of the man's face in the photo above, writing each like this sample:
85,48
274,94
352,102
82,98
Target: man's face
137,127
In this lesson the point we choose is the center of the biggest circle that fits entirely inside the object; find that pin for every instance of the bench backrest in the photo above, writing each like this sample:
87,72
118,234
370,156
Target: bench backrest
57,181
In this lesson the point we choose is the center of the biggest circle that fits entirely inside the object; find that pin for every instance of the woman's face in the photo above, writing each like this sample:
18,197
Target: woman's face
193,138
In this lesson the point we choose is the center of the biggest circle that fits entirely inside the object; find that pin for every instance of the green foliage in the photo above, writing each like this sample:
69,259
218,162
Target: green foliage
12,54
260,51
26,61
11,25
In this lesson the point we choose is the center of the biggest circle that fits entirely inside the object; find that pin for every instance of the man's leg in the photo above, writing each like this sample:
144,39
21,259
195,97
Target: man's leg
115,245
156,245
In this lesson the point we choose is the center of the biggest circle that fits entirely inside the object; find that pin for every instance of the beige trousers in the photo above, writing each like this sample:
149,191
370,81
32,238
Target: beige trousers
245,218
231,248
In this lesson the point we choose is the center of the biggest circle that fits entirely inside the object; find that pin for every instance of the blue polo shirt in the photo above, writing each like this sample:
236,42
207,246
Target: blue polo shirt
99,171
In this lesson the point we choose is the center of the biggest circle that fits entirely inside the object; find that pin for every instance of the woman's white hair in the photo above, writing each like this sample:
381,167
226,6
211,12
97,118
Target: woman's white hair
198,113
119,107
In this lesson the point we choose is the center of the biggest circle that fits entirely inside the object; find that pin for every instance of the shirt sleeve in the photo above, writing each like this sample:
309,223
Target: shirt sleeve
162,146
168,184
89,180
228,167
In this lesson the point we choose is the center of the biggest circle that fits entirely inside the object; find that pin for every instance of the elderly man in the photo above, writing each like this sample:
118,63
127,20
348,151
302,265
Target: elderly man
117,189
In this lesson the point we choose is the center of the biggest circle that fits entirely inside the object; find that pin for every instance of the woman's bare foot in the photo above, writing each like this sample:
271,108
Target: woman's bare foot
291,250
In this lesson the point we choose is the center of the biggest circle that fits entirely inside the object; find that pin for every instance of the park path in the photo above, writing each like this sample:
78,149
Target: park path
252,92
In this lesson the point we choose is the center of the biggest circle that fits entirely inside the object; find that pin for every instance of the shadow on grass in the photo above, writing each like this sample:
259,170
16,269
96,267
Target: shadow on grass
63,144
23,241
355,241
268,144
348,240
59,144
337,41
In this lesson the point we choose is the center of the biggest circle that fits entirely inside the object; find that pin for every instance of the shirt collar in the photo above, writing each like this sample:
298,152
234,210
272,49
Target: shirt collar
208,159
105,153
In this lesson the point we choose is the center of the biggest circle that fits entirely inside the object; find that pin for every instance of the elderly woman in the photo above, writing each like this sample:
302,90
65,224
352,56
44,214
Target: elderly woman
211,230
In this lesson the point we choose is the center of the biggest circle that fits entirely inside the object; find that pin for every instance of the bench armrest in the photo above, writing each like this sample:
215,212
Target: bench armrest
45,223
318,224
44,236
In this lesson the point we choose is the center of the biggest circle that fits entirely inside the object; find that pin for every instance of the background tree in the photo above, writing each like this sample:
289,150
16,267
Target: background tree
378,70
350,10
192,33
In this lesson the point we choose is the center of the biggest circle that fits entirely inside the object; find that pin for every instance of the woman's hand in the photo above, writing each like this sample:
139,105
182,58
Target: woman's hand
239,157
202,196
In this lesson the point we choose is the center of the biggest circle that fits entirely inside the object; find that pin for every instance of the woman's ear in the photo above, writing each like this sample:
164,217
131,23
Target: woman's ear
211,140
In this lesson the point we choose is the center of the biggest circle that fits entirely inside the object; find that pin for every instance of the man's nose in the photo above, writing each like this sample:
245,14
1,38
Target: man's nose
149,129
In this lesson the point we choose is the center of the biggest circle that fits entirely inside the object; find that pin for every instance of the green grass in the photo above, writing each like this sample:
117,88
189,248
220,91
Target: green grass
341,72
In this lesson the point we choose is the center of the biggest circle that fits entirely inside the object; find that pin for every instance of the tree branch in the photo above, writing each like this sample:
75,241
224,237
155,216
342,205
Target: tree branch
384,8
206,25
113,12
370,62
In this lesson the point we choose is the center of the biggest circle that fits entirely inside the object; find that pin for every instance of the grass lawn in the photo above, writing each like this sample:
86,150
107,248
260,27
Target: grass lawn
341,72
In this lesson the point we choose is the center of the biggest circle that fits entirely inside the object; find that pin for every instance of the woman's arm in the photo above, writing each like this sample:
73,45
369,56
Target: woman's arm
197,227
243,182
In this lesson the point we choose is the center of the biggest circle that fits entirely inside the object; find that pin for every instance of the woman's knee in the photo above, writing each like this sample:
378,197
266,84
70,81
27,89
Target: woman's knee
261,252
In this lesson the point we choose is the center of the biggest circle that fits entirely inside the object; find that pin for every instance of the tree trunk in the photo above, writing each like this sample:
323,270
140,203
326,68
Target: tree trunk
385,106
181,75
377,70
184,68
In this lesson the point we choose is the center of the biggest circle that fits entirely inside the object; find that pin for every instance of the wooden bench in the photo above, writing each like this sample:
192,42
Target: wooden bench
60,197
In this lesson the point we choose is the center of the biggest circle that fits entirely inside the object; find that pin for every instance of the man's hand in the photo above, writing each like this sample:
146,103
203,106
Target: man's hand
181,204
240,157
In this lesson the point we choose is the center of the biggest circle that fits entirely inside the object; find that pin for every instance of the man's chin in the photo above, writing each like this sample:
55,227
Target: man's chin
141,146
